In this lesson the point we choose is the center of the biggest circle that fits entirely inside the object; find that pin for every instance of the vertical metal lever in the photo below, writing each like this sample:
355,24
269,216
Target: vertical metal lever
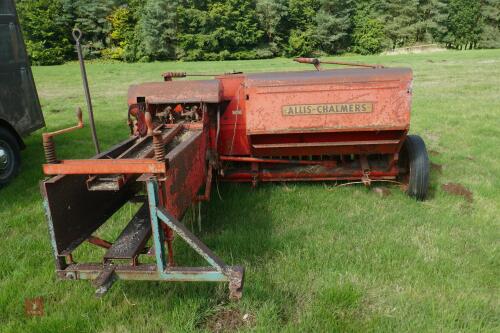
77,35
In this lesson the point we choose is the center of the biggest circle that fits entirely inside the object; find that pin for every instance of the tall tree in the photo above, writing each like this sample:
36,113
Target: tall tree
90,17
334,25
272,15
439,30
302,14
46,31
157,29
400,19
490,36
464,23
368,34
121,36
220,30
428,12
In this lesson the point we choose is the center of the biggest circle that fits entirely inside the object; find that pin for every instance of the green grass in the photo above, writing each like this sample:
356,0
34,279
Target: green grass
318,258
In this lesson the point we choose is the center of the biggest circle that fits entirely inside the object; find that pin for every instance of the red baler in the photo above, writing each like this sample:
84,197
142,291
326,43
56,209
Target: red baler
325,125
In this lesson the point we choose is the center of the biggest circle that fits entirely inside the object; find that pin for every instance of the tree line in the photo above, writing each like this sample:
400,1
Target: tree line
148,30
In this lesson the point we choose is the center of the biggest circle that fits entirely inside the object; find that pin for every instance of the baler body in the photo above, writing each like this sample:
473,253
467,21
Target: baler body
344,124
323,106
318,116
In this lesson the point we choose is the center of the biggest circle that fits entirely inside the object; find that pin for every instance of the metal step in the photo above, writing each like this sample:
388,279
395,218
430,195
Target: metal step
133,238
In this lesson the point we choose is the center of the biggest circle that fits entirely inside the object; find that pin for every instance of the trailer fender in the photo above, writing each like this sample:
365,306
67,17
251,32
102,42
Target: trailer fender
12,130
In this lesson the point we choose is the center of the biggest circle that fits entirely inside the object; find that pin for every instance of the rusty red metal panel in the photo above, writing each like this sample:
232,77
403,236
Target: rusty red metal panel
207,91
74,213
254,114
328,142
360,98
233,138
326,148
186,173
310,173
104,167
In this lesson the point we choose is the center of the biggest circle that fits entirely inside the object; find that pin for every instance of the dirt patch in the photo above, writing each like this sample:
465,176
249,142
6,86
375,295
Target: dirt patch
458,189
381,191
432,137
434,153
436,167
229,320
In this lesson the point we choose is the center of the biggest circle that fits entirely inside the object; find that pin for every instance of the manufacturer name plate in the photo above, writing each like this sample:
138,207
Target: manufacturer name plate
322,109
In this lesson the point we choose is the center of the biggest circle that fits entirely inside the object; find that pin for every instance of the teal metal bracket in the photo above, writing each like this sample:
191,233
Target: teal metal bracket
104,274
218,270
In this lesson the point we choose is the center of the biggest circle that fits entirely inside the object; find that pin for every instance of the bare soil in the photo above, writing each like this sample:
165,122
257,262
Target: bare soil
382,191
458,189
228,320
437,167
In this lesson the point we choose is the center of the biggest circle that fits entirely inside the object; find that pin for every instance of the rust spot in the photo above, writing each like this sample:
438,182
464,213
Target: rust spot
382,191
458,189
437,167
229,320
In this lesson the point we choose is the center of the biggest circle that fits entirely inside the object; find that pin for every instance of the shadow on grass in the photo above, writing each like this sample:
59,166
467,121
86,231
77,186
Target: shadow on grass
237,228
240,229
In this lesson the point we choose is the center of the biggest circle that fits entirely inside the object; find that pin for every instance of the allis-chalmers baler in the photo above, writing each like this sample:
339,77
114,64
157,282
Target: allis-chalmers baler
326,125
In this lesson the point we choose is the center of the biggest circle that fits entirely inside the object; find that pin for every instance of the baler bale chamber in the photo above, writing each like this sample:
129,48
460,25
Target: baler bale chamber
345,124
333,125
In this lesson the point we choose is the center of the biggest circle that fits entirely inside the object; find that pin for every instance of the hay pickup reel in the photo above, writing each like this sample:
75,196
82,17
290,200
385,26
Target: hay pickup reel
326,125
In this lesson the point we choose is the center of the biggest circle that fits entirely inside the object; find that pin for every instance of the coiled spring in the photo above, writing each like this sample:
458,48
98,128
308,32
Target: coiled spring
159,147
49,149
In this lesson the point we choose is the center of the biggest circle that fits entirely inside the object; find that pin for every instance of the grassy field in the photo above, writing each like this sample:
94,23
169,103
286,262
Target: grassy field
318,258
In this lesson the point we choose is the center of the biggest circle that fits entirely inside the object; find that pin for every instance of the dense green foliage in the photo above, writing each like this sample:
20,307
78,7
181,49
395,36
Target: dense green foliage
134,30
45,31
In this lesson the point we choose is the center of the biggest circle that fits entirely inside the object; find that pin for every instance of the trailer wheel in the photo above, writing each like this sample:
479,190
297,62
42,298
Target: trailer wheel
415,163
10,156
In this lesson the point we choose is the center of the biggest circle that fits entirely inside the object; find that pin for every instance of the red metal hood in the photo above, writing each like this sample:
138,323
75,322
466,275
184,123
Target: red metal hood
349,99
207,91
345,75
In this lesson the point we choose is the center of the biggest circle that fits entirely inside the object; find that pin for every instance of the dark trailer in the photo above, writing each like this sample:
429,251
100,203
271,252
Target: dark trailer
20,111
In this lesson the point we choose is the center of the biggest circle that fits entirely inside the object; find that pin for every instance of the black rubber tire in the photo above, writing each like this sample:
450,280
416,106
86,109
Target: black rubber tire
9,146
418,167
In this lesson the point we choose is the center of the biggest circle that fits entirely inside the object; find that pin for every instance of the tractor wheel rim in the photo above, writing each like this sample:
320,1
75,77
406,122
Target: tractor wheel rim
5,159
